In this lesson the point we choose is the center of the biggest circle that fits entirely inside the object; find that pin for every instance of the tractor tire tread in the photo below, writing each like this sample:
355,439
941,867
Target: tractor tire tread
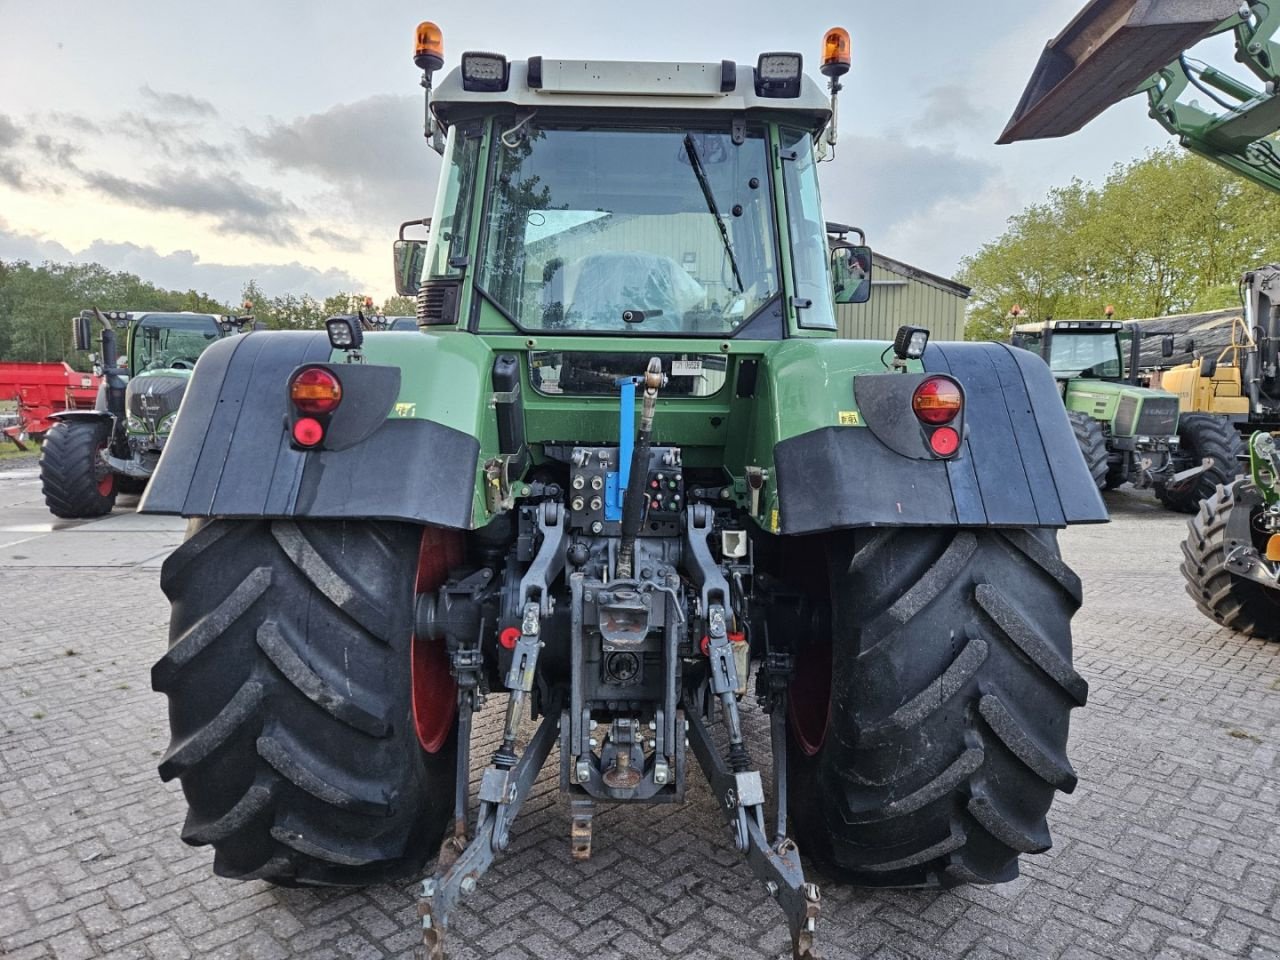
1093,445
299,760
1205,435
67,475
950,707
1228,600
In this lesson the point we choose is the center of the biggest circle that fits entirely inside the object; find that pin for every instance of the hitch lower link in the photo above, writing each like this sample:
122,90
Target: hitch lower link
739,792
508,780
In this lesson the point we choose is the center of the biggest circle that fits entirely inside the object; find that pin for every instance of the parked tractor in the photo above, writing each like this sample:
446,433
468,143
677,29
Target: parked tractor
88,456
1129,433
1115,49
623,475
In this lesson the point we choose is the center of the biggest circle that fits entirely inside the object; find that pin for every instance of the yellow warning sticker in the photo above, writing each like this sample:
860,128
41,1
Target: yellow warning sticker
406,409
850,418
773,521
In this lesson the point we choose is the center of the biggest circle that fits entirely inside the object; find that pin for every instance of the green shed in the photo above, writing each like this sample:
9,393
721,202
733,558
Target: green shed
901,293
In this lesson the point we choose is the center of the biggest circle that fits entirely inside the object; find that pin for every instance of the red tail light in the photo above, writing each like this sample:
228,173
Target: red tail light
315,390
307,432
937,400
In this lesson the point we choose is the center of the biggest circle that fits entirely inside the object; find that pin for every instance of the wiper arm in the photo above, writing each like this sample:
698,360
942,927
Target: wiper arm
698,170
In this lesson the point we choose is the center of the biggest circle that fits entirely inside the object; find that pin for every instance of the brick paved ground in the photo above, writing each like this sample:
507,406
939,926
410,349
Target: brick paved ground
1170,847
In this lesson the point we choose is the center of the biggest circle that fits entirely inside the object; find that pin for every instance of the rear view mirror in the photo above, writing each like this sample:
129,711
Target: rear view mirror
82,331
851,273
1189,347
1208,367
410,257
1166,347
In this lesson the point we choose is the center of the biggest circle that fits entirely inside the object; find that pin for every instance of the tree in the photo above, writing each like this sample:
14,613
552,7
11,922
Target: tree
37,304
1168,233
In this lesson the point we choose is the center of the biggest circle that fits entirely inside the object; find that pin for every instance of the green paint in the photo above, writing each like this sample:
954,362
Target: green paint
1264,466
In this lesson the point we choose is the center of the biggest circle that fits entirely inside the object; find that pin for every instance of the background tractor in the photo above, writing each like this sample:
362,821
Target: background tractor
624,468
1115,49
90,455
1126,432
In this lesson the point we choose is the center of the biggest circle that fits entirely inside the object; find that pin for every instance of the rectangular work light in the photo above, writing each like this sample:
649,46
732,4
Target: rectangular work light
344,333
910,342
778,75
484,72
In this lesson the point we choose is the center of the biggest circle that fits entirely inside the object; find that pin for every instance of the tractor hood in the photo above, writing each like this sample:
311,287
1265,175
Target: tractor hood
153,396
1131,410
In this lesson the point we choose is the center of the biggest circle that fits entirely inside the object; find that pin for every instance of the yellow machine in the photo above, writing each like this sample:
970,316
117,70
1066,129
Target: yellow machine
1211,385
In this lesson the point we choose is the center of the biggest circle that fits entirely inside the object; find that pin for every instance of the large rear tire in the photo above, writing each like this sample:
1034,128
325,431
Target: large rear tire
942,740
1238,604
75,482
1093,445
1203,435
289,684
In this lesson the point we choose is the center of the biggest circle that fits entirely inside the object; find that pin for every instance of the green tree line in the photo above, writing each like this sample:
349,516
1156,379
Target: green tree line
37,303
1169,233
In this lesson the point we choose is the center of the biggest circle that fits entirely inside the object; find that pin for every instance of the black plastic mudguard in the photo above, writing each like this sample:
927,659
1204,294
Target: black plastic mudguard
1019,464
230,454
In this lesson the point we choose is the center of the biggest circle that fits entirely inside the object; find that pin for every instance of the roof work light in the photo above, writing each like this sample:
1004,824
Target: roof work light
778,75
484,72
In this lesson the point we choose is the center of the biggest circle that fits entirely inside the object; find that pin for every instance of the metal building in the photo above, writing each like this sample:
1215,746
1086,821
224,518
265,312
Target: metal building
900,294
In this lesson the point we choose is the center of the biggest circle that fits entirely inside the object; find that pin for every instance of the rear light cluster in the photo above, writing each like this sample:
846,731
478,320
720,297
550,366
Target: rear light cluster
315,393
937,403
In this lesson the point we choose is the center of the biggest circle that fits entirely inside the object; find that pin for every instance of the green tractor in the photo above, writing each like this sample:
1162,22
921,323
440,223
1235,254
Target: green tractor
1116,49
89,456
623,468
1128,433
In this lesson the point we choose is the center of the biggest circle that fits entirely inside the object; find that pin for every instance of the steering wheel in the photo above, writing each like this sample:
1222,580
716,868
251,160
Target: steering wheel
182,364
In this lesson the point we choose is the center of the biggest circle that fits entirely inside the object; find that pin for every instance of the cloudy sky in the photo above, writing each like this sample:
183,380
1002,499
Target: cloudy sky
204,145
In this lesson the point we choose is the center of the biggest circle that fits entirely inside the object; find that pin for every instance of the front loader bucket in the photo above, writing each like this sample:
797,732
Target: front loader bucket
1104,56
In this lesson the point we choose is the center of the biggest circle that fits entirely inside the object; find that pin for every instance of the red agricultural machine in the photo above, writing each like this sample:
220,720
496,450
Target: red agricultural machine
41,390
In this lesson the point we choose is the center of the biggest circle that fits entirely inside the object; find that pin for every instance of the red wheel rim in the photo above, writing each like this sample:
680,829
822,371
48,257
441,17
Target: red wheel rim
435,693
809,700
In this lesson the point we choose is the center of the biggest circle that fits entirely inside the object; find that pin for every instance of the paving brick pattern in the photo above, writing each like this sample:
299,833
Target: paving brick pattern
1170,847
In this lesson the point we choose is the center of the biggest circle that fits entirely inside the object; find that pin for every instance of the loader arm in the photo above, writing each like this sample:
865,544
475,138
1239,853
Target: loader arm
1116,49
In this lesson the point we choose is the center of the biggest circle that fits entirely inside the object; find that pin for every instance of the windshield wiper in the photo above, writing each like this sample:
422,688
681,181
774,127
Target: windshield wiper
695,162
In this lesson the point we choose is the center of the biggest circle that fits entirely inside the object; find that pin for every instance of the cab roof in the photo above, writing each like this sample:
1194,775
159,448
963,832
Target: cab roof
631,86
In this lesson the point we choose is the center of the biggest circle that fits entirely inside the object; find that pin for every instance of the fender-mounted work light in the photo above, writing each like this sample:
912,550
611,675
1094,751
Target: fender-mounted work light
910,342
484,72
428,50
344,333
836,52
778,75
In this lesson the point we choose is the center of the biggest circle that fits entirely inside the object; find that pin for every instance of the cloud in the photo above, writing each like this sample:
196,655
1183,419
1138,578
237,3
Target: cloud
342,242
182,104
182,269
58,151
238,206
371,151
10,173
10,132
952,107
878,181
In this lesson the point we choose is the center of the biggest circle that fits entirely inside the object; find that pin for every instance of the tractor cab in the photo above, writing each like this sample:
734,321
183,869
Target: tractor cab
584,198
